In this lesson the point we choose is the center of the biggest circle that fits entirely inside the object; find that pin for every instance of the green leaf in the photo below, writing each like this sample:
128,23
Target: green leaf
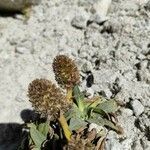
35,148
101,112
43,128
76,123
31,125
74,112
79,98
108,106
104,122
37,137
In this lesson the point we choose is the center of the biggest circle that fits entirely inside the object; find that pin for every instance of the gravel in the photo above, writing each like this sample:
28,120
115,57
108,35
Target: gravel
116,50
138,108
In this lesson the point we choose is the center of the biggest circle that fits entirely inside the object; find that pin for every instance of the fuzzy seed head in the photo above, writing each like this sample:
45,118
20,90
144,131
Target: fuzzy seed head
46,98
66,71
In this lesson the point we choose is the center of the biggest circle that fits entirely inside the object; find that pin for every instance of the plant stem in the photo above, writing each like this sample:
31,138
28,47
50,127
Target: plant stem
69,94
65,127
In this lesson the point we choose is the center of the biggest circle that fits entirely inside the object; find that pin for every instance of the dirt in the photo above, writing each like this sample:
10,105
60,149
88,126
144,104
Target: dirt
115,48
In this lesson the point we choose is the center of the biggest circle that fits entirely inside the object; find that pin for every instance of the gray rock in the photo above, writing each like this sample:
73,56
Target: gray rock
97,127
119,44
22,50
86,67
137,145
79,22
144,76
89,92
126,112
112,142
100,10
130,5
15,5
137,106
144,122
145,143
147,5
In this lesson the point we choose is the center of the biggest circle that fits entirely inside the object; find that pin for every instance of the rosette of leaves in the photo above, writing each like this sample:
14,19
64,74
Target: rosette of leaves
66,73
97,110
49,102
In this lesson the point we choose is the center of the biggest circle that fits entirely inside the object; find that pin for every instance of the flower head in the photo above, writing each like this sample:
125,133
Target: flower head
46,98
66,72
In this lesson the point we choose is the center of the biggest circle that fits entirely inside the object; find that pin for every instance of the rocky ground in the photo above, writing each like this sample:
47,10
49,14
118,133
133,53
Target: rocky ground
115,48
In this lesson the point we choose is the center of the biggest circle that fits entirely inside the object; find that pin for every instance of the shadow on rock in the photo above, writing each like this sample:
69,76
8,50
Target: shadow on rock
4,13
28,115
10,136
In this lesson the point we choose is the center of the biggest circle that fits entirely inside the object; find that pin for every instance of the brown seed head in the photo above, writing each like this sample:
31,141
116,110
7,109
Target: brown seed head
46,98
66,72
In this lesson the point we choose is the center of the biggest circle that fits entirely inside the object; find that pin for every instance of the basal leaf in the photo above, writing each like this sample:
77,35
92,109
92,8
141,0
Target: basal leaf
36,148
37,137
74,112
101,112
79,98
77,93
104,122
108,106
76,123
43,128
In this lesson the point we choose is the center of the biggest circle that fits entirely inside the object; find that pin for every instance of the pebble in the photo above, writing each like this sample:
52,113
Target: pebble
126,112
137,106
137,145
147,6
79,22
100,10
89,92
22,50
144,64
97,127
111,142
87,67
144,76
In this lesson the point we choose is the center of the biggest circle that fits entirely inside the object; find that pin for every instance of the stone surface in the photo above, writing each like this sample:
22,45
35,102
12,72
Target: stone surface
100,10
138,108
79,22
121,47
15,5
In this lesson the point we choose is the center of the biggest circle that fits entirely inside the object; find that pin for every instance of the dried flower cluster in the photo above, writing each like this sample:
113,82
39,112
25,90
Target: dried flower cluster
66,72
46,98
83,141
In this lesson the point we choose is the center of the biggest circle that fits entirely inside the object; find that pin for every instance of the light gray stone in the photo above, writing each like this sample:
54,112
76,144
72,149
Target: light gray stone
100,10
79,22
137,106
98,128
22,50
49,32
14,5
137,145
126,112
86,67
89,92
112,143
